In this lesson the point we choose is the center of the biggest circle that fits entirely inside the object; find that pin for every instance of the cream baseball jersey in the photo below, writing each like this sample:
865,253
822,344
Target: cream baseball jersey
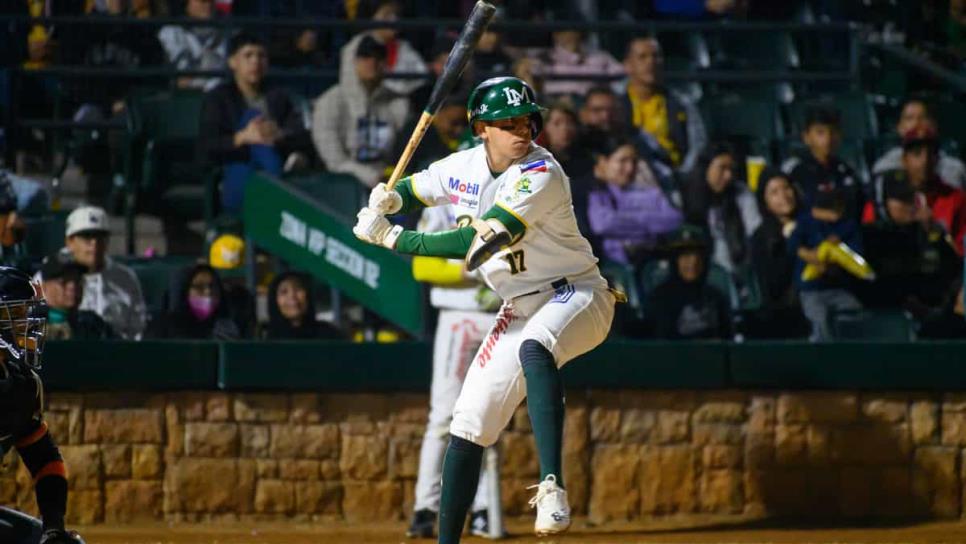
536,191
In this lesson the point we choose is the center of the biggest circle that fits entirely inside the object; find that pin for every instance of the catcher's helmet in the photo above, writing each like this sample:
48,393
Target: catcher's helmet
23,320
503,98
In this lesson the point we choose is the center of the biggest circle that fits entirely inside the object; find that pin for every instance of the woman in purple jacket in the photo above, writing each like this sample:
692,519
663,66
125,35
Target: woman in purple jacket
626,217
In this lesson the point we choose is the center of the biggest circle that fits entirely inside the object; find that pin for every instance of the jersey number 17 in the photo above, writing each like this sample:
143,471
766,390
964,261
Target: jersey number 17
515,260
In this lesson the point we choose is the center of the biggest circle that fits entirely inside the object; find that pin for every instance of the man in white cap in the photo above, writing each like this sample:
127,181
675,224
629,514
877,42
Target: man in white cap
111,290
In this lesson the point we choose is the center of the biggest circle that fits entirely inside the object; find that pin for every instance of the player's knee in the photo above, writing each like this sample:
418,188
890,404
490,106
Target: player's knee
41,455
463,444
533,355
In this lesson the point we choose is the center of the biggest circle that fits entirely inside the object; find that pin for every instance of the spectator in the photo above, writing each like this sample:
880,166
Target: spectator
297,50
725,207
817,229
571,56
627,219
781,313
601,111
920,157
447,132
246,127
490,56
670,121
916,113
400,58
143,9
199,309
291,311
111,290
357,121
437,62
559,136
818,167
686,306
63,286
697,9
195,47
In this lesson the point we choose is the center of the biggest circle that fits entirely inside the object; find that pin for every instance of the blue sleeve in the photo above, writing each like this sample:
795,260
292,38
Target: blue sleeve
692,9
851,234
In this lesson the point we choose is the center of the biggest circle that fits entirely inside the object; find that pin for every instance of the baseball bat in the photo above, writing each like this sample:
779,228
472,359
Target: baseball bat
459,56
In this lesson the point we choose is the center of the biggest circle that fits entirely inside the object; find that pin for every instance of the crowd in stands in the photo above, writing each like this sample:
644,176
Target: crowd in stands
716,243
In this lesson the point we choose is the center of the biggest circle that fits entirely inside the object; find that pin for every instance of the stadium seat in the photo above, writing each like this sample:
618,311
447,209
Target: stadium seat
163,171
883,325
952,120
341,193
857,115
730,117
753,50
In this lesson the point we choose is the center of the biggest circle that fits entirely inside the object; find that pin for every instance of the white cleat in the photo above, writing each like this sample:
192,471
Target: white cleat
553,510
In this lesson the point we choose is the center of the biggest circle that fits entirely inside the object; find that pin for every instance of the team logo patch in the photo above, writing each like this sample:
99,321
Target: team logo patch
535,166
563,293
513,96
522,186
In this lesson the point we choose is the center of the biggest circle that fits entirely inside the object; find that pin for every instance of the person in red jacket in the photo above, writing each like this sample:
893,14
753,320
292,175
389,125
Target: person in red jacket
935,199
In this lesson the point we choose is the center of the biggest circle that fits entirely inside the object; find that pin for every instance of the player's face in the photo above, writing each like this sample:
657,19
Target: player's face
779,197
507,138
620,166
249,64
720,172
292,300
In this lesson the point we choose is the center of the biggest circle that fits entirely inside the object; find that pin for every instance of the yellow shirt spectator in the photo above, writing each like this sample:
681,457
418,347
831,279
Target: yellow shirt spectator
650,115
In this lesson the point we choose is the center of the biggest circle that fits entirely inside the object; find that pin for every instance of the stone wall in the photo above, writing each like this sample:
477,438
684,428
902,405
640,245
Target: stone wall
628,455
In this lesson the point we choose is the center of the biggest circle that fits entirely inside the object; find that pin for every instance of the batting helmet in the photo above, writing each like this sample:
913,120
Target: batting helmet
503,98
23,320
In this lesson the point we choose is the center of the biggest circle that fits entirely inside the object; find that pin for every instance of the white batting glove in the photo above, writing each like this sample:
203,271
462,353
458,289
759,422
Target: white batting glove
384,201
373,228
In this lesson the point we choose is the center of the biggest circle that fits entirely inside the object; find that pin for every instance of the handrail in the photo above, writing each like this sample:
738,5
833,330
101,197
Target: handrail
922,64
422,23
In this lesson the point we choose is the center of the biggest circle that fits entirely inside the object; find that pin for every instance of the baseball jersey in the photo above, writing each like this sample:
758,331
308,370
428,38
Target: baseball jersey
536,191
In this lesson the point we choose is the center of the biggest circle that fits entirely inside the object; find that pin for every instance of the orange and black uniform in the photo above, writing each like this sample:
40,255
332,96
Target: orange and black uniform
22,427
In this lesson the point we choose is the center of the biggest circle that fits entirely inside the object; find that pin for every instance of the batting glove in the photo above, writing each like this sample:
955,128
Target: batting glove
373,228
384,201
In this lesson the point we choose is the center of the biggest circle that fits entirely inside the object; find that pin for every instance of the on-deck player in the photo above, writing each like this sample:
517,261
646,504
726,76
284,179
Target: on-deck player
520,231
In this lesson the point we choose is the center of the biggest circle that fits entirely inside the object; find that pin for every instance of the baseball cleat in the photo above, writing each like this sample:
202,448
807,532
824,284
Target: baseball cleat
60,536
553,510
480,525
423,525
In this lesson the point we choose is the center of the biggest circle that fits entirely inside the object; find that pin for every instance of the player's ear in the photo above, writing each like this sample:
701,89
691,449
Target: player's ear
478,129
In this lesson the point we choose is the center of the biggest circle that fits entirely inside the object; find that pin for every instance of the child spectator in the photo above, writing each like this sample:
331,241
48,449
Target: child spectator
725,207
826,288
195,47
63,284
199,308
818,167
246,127
401,57
781,313
946,205
627,219
291,311
357,121
685,306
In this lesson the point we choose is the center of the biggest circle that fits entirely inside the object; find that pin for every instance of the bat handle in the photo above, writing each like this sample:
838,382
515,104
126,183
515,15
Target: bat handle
417,136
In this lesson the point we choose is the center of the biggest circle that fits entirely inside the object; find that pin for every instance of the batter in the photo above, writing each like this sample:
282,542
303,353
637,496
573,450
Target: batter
519,229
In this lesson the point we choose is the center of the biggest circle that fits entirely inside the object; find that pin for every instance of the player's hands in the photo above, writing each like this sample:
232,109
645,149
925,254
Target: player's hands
384,201
373,228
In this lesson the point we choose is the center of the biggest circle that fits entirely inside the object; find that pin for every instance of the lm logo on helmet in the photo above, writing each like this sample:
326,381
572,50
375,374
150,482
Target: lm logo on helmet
460,187
513,96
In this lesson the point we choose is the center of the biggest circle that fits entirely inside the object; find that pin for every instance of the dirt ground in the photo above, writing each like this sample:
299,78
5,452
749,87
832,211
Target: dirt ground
663,532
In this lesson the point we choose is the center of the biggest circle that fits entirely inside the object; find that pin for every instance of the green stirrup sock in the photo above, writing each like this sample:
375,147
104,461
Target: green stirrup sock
545,404
461,474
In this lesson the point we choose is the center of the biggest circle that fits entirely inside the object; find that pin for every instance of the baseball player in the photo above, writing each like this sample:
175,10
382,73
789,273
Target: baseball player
22,328
518,228
466,312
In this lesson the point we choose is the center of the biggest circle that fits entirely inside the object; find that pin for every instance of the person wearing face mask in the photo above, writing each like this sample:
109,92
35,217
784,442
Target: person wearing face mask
685,306
626,218
291,311
725,207
199,310
781,313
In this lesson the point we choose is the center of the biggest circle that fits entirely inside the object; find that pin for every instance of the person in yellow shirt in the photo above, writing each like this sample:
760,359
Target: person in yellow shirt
671,123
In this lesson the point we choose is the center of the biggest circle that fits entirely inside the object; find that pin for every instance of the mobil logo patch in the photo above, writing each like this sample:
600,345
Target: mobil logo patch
465,188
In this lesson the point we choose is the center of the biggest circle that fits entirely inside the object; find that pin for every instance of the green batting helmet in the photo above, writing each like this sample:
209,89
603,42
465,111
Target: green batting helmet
502,98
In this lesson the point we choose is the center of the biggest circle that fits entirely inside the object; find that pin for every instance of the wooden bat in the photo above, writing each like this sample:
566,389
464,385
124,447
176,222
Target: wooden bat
459,56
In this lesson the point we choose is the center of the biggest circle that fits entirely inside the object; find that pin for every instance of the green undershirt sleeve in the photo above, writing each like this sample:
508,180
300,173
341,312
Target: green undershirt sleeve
451,244
410,202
